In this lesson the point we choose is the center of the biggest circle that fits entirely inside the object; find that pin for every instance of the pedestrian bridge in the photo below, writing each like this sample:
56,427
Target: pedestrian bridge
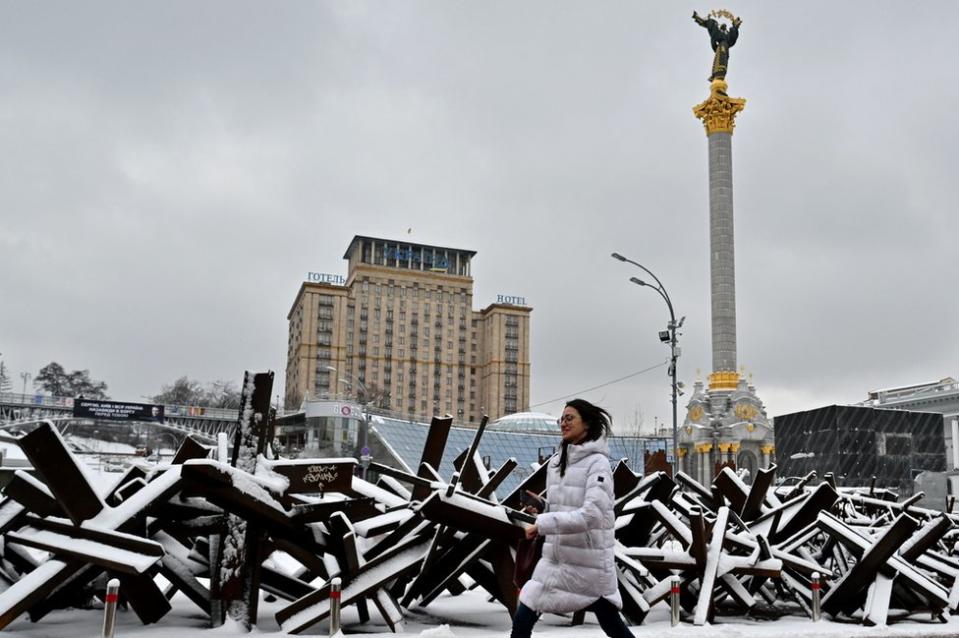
201,422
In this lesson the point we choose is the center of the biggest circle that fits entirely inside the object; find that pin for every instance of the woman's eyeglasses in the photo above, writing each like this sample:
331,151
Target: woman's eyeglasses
566,418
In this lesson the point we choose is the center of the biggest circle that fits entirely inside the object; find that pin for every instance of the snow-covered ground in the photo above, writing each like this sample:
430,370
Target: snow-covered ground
465,616
470,615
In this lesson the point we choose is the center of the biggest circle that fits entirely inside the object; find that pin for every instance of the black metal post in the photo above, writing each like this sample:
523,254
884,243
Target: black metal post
673,346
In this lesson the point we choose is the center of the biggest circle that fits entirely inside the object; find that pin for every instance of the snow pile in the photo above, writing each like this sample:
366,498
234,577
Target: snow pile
443,631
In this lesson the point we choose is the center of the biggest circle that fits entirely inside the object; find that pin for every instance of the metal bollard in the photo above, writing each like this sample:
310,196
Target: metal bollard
674,602
815,587
335,606
110,611
222,451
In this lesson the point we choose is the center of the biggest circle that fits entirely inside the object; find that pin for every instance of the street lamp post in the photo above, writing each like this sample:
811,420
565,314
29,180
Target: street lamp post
668,336
362,434
26,377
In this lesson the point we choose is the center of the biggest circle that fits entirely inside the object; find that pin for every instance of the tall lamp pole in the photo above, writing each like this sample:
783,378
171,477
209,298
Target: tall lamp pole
362,434
26,377
668,336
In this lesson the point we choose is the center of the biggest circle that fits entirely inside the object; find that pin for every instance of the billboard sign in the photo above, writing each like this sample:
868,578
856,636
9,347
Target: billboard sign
326,278
511,299
96,409
343,409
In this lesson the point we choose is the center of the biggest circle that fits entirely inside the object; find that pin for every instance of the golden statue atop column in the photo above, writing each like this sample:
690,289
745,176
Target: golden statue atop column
718,112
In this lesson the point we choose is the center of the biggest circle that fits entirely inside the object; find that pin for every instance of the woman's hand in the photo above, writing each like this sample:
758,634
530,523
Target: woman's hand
533,503
531,531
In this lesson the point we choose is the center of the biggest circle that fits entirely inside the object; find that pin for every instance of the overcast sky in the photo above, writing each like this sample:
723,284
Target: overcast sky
172,170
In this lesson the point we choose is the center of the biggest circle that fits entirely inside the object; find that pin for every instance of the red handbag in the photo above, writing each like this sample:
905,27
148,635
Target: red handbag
528,552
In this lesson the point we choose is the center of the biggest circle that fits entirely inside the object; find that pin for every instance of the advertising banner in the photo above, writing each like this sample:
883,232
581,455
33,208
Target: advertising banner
344,409
95,409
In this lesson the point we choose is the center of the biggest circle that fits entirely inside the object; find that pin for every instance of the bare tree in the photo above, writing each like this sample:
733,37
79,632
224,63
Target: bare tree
223,394
187,391
183,391
374,395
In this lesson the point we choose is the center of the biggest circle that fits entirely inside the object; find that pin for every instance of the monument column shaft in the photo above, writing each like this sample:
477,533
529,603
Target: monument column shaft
722,266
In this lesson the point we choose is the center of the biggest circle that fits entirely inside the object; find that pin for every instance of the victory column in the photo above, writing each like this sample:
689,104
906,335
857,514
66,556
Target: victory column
726,423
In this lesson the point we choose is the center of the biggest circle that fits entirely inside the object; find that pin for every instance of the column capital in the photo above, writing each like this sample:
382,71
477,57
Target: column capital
718,112
724,380
767,449
703,448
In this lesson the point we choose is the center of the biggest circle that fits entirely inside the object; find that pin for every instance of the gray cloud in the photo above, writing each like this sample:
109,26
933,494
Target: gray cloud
174,169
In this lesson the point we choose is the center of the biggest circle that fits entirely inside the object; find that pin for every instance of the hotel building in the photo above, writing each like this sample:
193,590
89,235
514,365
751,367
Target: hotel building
400,333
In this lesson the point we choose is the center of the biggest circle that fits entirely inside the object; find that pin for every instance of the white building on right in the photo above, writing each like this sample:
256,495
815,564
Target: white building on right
941,397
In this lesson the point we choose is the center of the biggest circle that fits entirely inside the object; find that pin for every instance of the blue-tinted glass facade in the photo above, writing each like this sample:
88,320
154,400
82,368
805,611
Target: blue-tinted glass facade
406,439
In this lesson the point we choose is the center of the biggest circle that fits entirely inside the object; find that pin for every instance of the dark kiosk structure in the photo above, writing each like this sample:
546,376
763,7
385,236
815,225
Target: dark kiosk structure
857,443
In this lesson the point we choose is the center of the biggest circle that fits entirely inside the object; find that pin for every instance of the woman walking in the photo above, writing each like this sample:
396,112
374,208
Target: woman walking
577,570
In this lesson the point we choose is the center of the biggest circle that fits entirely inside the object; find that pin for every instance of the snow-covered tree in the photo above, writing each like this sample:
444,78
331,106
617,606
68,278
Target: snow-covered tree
187,391
53,378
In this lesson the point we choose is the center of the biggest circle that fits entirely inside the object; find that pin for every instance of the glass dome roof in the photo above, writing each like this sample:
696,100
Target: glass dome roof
526,422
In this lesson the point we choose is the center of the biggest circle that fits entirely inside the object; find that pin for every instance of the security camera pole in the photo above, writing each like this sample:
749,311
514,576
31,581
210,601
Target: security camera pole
670,337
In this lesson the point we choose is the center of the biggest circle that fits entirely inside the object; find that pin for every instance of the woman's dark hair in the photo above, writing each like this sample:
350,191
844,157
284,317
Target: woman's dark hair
598,423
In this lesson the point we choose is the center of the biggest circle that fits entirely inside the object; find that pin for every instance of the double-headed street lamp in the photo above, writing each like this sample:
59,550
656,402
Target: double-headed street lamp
666,336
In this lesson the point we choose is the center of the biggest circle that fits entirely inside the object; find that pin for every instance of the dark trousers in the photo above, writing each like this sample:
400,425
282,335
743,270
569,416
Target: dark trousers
606,613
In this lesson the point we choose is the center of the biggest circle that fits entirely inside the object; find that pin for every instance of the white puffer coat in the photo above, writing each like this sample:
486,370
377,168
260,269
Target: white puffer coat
577,567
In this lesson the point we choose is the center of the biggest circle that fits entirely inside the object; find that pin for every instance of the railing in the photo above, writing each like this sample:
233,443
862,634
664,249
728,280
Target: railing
884,397
170,410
